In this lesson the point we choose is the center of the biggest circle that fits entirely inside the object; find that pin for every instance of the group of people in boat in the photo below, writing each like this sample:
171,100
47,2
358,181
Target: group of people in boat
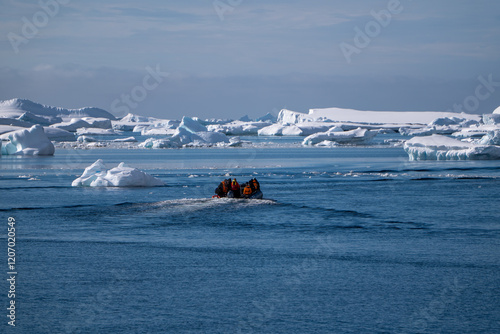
231,188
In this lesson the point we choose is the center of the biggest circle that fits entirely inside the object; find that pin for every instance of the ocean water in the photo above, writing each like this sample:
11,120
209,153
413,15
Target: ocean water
347,240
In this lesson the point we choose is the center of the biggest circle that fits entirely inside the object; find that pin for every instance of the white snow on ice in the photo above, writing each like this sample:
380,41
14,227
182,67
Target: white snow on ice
98,175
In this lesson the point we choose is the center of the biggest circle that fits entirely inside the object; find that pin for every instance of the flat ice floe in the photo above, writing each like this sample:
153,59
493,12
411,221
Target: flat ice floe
337,135
97,175
438,147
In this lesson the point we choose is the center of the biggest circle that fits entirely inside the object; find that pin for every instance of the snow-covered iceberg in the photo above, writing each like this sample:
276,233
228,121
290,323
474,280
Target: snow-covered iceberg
71,125
32,141
95,132
97,175
191,125
438,147
299,129
56,134
379,117
17,107
491,138
185,138
337,135
238,128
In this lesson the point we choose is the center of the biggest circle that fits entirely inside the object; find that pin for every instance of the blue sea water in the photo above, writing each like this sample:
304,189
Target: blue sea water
347,240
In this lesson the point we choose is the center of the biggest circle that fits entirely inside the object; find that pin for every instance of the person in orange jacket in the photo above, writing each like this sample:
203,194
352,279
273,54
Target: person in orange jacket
247,191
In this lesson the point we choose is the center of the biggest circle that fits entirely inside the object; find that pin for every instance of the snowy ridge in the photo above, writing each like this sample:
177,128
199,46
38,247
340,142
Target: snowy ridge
18,107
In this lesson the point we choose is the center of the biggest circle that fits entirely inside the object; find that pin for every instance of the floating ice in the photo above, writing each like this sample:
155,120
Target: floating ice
86,139
238,128
59,134
96,122
97,175
95,131
492,119
184,138
36,119
125,140
336,134
491,138
72,125
437,147
299,129
32,141
17,107
191,125
378,117
158,143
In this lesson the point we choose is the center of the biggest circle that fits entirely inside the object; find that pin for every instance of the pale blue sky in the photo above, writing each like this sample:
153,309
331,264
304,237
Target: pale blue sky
256,57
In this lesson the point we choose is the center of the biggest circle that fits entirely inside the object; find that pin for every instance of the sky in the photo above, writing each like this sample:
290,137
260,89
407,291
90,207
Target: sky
230,58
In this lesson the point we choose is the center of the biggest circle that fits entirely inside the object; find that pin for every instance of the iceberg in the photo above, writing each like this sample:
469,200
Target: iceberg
491,138
86,139
379,117
98,122
191,125
17,107
95,132
56,134
491,119
158,143
238,128
286,116
337,135
125,140
32,141
72,125
184,138
97,175
14,122
155,131
42,120
438,147
130,121
299,129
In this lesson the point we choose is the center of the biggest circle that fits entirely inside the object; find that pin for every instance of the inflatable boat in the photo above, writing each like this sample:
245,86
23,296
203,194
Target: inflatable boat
255,195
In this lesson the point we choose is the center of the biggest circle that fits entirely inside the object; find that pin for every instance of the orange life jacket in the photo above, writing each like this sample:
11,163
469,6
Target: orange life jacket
247,190
224,187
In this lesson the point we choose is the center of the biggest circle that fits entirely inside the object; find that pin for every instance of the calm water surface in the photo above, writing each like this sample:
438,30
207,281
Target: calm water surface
348,240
